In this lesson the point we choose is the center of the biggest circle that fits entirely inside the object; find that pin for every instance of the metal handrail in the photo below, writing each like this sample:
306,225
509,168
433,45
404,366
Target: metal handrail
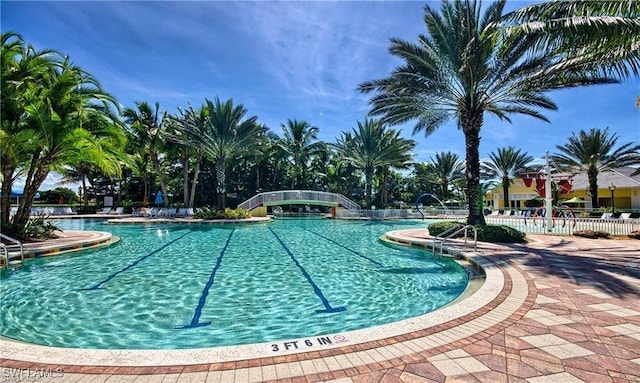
290,196
6,248
452,233
5,255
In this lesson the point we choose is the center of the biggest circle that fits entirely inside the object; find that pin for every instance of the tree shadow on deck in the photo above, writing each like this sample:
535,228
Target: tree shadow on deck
603,266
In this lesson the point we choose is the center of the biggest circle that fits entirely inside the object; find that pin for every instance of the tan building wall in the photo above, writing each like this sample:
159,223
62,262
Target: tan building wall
625,197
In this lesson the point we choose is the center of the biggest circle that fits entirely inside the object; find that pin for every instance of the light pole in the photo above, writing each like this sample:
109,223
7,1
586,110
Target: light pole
612,187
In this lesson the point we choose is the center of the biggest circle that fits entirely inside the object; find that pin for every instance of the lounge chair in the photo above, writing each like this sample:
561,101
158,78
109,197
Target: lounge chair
507,212
172,212
606,216
162,213
150,213
185,212
106,210
67,210
495,212
625,216
119,210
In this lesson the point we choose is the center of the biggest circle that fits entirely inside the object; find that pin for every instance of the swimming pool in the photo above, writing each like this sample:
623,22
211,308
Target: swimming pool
172,286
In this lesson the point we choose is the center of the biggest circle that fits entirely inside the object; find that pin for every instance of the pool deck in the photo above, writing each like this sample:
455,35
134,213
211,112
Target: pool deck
556,309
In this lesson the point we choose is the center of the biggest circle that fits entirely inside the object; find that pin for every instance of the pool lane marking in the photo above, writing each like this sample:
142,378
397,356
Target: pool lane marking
195,321
316,289
347,248
133,264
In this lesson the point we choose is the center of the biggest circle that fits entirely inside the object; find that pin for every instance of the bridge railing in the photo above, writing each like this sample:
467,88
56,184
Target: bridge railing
300,196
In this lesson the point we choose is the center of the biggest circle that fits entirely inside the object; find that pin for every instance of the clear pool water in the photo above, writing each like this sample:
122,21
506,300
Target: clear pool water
187,286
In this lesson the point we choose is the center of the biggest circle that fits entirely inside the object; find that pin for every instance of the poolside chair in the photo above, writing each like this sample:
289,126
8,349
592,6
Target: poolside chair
151,213
172,212
495,212
106,210
67,210
119,210
625,216
162,213
185,212
507,212
606,216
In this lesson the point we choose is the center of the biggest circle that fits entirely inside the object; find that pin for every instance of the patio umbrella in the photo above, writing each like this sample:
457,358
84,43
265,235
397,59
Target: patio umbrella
158,200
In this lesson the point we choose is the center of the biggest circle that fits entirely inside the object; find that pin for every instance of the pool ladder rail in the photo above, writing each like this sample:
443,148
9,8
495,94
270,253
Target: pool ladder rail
451,233
12,255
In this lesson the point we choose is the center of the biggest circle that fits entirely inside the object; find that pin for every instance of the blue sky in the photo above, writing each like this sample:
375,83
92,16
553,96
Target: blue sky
284,59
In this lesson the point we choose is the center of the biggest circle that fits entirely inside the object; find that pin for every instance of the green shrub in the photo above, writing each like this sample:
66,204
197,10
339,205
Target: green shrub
37,228
438,228
487,233
594,234
227,213
500,233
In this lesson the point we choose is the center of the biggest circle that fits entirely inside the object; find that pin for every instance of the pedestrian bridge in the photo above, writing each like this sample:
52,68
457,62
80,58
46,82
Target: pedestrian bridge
296,197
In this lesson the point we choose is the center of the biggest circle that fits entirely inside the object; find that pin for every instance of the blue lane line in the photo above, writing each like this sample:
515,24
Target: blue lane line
195,321
347,248
316,289
110,277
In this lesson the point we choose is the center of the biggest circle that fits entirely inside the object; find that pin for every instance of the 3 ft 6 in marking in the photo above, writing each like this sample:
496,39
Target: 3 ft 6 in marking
298,344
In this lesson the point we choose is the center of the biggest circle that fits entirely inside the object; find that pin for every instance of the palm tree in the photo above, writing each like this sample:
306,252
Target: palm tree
299,143
506,164
447,168
602,36
594,151
185,130
398,155
372,147
147,126
22,68
226,136
463,69
71,115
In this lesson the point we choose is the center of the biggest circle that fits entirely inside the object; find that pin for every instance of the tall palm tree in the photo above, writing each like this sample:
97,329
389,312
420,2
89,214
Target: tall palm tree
371,147
185,130
72,117
398,156
147,126
593,152
300,143
601,36
226,136
505,165
447,168
463,69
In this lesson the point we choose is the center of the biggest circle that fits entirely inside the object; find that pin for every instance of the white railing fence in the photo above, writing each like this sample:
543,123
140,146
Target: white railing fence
402,213
563,226
568,226
298,196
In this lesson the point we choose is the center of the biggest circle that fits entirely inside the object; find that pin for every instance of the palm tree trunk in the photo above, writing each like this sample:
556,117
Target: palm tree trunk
505,192
471,123
368,186
185,180
385,186
592,174
194,181
163,187
7,181
85,196
221,179
36,176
